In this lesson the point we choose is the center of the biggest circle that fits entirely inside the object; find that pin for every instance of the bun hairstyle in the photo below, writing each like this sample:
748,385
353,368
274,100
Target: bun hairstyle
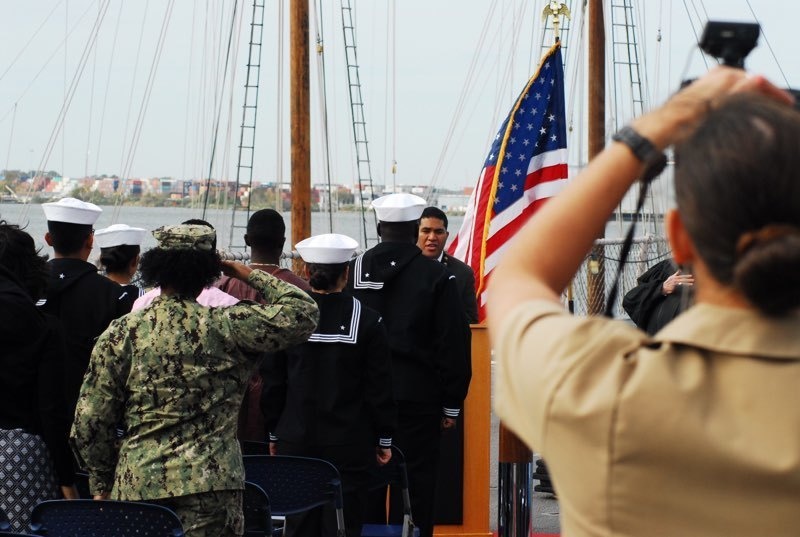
117,258
738,193
324,276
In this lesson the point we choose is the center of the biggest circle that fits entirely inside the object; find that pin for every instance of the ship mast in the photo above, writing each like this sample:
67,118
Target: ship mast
300,122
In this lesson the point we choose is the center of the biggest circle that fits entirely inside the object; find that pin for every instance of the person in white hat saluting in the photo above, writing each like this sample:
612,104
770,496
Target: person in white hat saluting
83,300
331,397
428,336
120,245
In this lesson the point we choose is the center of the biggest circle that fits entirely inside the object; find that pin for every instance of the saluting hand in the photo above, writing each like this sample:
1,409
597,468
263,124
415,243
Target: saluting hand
236,270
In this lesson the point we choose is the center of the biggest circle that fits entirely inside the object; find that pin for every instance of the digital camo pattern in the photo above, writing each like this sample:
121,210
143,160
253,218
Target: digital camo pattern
174,375
185,237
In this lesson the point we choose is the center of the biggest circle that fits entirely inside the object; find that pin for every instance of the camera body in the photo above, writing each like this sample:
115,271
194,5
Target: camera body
731,42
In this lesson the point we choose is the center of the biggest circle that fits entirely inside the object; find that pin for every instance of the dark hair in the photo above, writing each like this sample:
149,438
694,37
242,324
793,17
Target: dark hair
399,231
325,276
266,230
200,222
434,212
67,238
738,194
187,272
19,256
118,258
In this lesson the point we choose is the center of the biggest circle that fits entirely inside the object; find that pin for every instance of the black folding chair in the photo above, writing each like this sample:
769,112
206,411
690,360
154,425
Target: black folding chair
68,518
395,474
296,484
257,512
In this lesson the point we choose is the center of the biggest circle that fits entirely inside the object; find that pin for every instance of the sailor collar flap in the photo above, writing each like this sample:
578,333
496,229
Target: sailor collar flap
382,263
735,331
339,320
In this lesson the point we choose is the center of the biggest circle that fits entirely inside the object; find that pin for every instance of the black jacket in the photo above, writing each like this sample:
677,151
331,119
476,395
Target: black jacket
647,307
85,302
32,375
465,280
428,334
335,389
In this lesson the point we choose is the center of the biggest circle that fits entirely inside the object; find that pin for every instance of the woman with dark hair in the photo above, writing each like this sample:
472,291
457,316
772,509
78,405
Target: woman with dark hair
34,454
174,374
691,431
120,246
331,397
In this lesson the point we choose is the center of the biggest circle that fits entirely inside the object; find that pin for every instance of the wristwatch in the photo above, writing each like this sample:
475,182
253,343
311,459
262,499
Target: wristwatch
644,150
641,147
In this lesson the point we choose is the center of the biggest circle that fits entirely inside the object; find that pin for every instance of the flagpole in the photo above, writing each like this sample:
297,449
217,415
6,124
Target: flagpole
515,458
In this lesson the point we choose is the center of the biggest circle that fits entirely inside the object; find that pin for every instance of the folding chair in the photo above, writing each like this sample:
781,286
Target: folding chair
68,518
394,474
257,512
296,484
12,534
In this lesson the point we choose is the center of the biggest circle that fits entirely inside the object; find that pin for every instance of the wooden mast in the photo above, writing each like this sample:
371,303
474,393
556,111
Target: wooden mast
300,122
597,139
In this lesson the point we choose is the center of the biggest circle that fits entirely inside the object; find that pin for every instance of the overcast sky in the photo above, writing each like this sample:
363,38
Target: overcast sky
418,60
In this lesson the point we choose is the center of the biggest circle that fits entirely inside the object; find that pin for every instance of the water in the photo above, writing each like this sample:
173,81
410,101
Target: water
32,216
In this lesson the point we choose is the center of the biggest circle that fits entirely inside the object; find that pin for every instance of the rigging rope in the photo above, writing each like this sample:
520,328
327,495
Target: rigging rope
219,111
68,100
105,95
137,131
33,36
322,81
46,63
769,46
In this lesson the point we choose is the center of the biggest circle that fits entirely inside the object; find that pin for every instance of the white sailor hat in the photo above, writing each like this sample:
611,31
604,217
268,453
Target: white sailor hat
400,207
330,248
119,234
72,211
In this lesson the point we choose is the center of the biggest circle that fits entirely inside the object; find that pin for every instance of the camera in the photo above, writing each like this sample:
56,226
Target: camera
731,42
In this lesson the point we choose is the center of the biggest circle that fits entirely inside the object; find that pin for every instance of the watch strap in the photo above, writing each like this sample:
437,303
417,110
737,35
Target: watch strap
644,150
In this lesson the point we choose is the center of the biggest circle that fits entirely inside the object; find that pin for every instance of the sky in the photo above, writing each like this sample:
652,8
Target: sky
437,79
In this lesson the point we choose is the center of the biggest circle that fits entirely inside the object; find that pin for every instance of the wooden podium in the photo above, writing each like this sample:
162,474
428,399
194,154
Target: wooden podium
477,430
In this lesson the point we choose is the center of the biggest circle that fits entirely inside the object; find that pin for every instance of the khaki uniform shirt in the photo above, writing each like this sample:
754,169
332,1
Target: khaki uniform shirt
173,375
692,432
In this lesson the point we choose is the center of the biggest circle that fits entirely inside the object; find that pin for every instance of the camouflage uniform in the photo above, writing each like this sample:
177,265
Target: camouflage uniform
174,374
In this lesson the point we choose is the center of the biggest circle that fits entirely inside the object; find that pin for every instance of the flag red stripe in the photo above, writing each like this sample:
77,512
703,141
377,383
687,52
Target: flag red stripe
508,231
477,231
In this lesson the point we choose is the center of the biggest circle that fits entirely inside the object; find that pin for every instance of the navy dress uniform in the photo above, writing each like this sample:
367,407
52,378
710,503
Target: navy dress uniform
428,335
110,240
84,301
331,397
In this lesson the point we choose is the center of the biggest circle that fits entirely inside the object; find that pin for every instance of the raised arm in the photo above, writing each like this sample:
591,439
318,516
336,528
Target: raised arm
549,249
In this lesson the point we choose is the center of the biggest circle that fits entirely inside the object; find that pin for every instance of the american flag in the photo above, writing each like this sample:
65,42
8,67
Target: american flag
527,164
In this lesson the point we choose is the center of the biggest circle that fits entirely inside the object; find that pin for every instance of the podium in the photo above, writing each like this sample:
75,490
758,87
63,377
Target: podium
477,430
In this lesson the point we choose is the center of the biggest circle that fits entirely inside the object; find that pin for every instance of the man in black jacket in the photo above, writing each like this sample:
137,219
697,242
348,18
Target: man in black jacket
432,239
417,298
84,301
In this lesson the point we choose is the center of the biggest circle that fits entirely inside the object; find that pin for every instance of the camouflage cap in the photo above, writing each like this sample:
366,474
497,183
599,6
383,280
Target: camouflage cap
185,237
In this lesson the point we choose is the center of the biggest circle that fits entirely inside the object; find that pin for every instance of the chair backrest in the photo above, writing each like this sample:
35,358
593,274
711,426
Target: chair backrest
67,518
294,484
257,512
393,473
